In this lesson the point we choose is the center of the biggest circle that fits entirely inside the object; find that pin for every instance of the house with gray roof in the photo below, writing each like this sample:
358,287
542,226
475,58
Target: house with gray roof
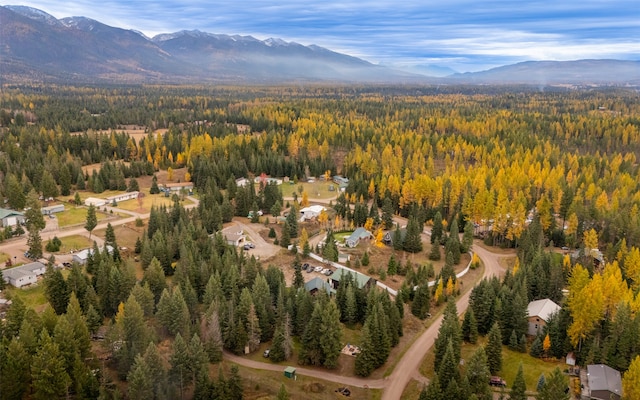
604,382
539,313
359,234
24,275
10,217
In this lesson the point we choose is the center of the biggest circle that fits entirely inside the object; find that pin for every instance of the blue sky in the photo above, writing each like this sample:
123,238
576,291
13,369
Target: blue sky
465,35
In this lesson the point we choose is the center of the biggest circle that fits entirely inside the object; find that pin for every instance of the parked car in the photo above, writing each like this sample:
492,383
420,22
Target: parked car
249,246
497,381
266,353
310,270
318,269
305,266
328,272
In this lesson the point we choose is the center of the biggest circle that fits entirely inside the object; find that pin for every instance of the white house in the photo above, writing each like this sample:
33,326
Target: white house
242,182
82,256
122,197
94,201
233,235
24,274
10,217
311,212
539,312
178,186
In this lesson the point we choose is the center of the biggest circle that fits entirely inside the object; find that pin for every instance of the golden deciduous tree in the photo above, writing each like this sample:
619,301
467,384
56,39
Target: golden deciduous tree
631,380
590,239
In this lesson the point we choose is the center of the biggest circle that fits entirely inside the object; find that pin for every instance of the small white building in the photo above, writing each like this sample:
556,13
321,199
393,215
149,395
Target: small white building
94,201
178,186
242,182
82,256
233,236
122,197
267,180
539,312
10,217
311,212
24,275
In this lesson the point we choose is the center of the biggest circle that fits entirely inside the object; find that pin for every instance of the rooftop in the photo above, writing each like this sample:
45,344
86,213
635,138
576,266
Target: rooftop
5,212
542,308
603,377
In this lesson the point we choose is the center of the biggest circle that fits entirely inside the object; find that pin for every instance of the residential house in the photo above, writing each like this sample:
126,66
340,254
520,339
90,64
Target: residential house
317,284
94,201
10,217
267,180
359,234
361,280
24,275
604,382
122,197
311,212
242,182
82,256
234,236
52,209
539,312
341,181
178,186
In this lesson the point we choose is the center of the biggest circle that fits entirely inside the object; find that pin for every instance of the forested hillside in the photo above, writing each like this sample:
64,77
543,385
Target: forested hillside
544,173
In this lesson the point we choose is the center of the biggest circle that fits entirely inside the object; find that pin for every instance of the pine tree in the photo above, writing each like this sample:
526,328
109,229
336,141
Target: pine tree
449,331
392,266
48,185
211,334
519,388
154,185
413,240
494,349
421,302
330,335
366,361
282,393
387,213
180,361
467,237
478,375
34,242
14,192
555,387
437,228
49,378
92,220
140,380
536,348
541,381
56,290
234,384
14,370
448,370
470,327
157,370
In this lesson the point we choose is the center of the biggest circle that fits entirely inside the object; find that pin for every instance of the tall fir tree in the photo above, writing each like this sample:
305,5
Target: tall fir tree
494,349
478,375
91,221
519,387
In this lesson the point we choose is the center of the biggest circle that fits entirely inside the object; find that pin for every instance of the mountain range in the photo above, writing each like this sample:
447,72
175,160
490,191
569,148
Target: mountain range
35,46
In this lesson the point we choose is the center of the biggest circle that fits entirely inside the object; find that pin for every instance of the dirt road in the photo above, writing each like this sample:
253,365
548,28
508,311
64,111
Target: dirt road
412,358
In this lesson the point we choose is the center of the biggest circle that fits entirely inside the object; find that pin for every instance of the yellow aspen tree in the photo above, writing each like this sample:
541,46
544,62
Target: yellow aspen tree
590,239
631,380
371,190
323,218
305,199
170,173
368,225
516,265
187,177
449,288
546,344
380,238
632,266
439,289
304,238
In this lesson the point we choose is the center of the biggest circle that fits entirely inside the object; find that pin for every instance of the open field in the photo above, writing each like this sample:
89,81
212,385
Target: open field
33,296
3,258
75,242
148,201
315,190
75,216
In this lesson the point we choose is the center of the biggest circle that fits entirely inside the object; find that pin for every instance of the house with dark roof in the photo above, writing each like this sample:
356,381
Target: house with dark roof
10,217
361,280
359,234
604,382
539,313
317,284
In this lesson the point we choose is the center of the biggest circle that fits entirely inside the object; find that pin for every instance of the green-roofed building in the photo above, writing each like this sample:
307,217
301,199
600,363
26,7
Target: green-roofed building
10,217
317,284
361,280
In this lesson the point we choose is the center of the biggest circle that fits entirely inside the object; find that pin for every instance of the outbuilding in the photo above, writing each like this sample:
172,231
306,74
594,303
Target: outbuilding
311,212
605,382
290,372
10,217
57,208
122,197
94,201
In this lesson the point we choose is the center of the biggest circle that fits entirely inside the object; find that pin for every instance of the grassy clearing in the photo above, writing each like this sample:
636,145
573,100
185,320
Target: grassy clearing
147,202
75,242
315,190
33,297
75,216
3,257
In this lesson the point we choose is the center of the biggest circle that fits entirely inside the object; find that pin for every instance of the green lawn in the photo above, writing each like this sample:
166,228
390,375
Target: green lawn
532,367
3,258
75,242
148,201
32,297
75,216
316,190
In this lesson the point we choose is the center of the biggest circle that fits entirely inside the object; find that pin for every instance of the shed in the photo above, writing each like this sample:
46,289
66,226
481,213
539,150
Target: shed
81,257
10,217
122,197
539,312
94,201
311,212
176,187
52,209
290,372
604,382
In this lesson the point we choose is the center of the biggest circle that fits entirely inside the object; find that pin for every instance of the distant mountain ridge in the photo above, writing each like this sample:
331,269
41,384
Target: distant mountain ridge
35,46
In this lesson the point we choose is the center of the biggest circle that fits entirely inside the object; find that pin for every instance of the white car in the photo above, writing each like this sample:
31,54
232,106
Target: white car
318,269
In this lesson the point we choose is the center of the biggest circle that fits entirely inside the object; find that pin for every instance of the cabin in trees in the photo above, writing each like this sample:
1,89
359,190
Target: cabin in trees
388,236
359,234
361,280
317,284
10,217
341,181
24,274
233,236
242,182
81,257
52,209
539,312
311,212
267,180
604,382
